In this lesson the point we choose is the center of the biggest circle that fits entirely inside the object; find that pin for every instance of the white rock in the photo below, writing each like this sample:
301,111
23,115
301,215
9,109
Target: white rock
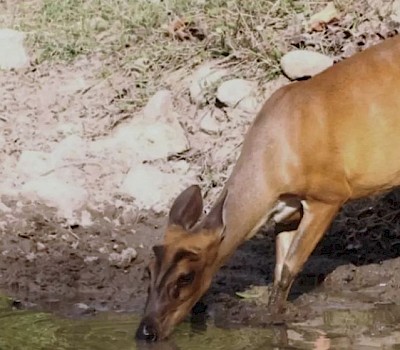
70,149
239,93
86,219
67,129
4,208
205,77
82,306
152,188
180,166
90,259
302,63
67,198
103,250
154,134
123,259
33,163
143,140
209,124
159,106
31,256
40,247
10,186
157,140
395,11
12,52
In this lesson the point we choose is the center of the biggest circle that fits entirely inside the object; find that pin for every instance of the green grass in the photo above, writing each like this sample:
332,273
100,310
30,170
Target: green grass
252,35
245,30
125,33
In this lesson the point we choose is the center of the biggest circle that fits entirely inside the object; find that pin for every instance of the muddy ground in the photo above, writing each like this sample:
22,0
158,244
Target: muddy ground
67,269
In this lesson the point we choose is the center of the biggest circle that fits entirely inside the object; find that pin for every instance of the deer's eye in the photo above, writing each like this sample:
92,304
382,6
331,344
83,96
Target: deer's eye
185,279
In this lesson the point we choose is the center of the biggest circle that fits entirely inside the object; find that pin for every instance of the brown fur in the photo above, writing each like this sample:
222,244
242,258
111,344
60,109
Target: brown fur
313,146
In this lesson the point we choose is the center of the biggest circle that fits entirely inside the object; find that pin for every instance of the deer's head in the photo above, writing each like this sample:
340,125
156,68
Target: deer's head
183,266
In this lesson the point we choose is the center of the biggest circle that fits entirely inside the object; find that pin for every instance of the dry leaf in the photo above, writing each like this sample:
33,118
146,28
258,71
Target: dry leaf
178,28
182,29
248,295
319,20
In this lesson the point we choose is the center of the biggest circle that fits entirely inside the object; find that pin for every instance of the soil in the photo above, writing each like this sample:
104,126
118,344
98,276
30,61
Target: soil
67,269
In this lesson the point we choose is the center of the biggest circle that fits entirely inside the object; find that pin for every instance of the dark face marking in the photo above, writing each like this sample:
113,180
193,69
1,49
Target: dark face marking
164,276
159,257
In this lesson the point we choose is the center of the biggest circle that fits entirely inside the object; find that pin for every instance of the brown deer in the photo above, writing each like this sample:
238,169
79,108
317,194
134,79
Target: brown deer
314,145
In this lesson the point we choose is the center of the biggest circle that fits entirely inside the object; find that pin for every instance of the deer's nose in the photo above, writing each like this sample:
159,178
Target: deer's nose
147,331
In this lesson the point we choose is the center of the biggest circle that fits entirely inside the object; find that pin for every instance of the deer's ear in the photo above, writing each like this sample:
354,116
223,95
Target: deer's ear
215,220
187,208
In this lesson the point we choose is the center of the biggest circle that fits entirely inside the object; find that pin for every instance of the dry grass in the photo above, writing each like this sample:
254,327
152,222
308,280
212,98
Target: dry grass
130,35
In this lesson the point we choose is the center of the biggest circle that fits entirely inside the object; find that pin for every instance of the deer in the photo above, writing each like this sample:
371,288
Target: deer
314,145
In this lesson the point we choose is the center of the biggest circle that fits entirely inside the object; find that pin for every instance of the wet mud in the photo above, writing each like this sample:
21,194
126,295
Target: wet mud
49,265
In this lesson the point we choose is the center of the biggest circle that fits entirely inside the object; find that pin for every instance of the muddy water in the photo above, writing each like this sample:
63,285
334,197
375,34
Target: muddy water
374,328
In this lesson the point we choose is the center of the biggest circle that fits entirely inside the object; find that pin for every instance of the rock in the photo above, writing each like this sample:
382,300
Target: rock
239,93
33,163
70,149
302,63
40,247
90,259
123,259
152,141
319,21
67,129
155,134
128,216
12,53
209,124
31,256
395,11
86,219
4,208
205,77
159,107
142,140
180,166
67,198
81,306
10,187
103,250
151,187
34,167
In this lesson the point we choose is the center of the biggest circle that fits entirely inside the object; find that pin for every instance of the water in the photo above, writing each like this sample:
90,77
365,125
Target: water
376,328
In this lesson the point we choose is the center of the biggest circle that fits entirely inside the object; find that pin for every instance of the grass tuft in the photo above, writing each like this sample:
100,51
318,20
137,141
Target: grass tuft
131,34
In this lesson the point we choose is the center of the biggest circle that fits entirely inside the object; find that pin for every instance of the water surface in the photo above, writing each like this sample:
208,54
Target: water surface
372,328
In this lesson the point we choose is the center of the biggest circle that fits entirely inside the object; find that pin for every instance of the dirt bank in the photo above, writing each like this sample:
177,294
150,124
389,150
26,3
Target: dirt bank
70,270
